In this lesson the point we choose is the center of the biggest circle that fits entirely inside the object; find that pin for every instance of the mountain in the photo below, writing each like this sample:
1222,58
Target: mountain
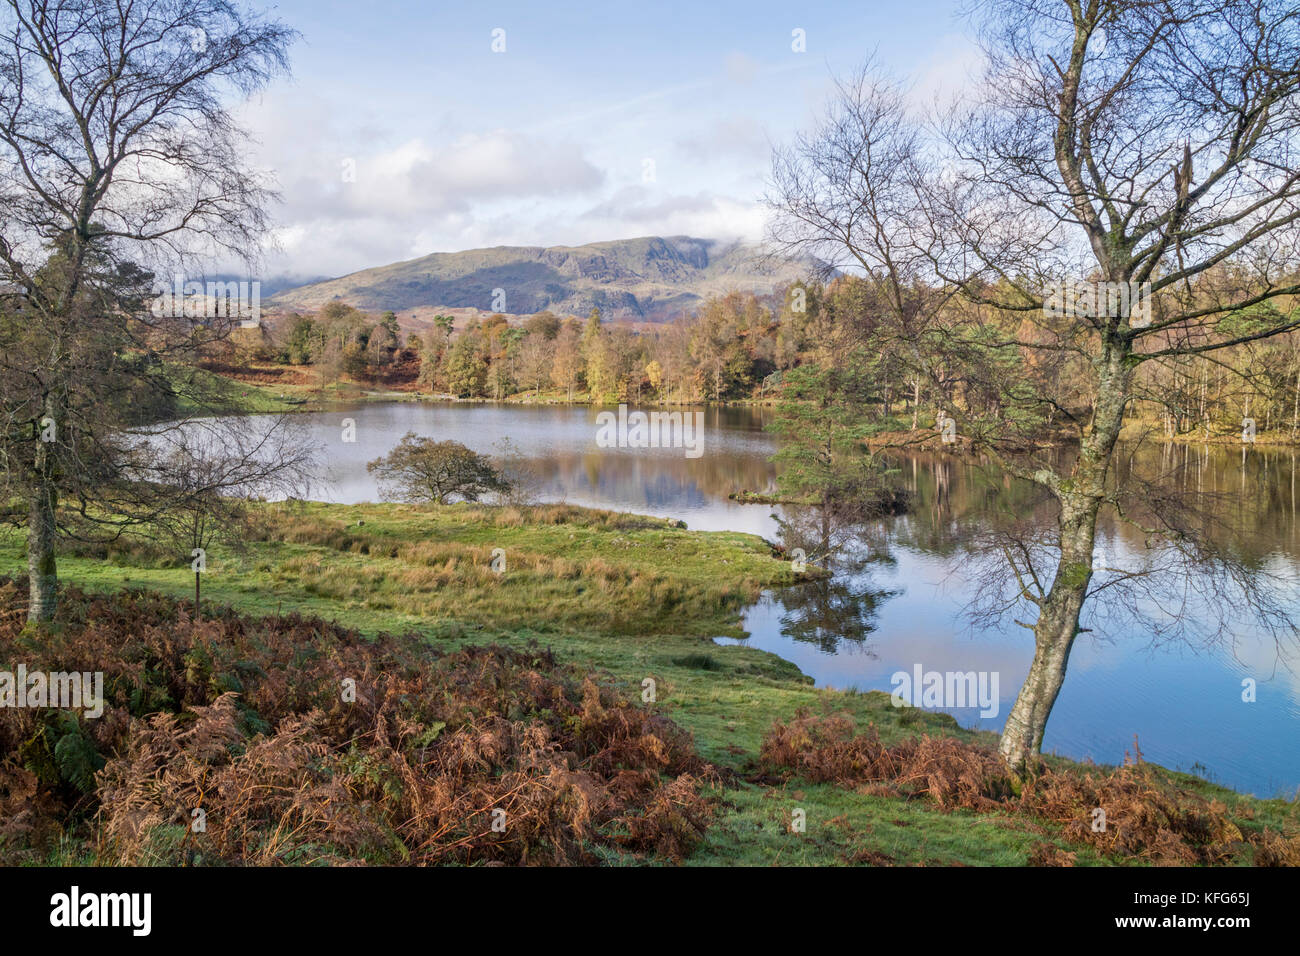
651,279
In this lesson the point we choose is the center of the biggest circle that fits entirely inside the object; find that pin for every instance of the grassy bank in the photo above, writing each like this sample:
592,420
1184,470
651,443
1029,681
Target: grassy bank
637,599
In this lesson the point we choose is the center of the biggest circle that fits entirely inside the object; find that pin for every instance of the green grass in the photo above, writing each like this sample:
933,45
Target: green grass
253,398
844,827
639,598
245,398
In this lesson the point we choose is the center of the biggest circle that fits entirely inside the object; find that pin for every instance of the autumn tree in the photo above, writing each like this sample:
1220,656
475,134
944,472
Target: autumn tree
381,346
467,366
536,357
716,343
545,324
433,355
566,368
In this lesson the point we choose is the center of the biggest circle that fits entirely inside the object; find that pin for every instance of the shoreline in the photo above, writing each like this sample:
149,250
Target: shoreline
627,599
298,401
333,532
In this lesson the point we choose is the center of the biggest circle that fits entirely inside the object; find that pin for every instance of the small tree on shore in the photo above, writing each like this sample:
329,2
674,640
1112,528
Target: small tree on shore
424,470
207,474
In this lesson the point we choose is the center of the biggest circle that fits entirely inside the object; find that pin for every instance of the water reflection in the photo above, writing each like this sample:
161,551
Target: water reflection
902,588
836,611
558,446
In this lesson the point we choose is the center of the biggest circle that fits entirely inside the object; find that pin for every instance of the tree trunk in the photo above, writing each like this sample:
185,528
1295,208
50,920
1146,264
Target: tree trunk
41,566
1295,406
1058,614
1054,633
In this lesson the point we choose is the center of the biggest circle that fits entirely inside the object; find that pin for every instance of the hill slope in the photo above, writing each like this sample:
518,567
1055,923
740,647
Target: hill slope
646,279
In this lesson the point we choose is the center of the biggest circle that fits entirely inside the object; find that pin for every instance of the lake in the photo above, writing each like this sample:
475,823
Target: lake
899,597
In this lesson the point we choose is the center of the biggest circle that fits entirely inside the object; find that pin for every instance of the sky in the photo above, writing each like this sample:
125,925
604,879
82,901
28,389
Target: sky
402,131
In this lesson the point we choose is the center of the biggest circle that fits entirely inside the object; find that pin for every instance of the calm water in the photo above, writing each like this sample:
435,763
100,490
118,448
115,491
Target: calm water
899,597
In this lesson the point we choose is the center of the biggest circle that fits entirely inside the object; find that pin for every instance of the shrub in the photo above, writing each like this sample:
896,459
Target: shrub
421,469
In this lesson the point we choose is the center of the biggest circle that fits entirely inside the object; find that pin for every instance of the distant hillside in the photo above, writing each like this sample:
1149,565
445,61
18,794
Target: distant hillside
650,279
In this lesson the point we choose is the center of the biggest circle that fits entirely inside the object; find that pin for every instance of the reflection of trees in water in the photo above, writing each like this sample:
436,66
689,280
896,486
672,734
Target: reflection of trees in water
1243,500
830,612
1246,502
956,500
654,476
965,510
1228,514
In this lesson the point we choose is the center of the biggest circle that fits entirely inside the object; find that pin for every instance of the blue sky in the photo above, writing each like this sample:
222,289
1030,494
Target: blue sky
402,133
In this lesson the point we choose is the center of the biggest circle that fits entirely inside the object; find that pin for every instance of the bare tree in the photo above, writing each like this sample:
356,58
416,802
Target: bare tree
536,356
204,472
1149,149
847,195
117,155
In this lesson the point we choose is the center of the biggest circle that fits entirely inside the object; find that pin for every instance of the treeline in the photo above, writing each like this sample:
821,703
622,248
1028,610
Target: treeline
1199,397
741,346
733,347
724,351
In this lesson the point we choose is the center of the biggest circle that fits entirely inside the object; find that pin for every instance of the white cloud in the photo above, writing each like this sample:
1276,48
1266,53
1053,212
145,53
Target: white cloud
358,196
702,215
362,189
416,179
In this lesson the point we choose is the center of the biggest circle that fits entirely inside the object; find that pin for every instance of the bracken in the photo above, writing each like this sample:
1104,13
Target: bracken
1146,817
245,720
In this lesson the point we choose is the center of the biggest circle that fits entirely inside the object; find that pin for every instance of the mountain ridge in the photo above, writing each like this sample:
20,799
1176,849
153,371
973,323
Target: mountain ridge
645,279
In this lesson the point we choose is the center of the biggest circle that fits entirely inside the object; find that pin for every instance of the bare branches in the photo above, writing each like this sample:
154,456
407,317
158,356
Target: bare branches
1161,137
117,149
114,129
1150,145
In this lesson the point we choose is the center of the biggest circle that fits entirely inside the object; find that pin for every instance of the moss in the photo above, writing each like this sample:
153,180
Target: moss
1074,575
